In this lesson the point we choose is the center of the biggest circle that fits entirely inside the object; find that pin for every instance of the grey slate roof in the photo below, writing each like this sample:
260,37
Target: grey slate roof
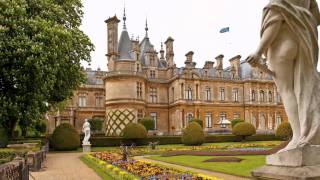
145,45
125,46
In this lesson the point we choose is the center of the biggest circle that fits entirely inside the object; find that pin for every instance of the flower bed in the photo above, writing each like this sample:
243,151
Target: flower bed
137,151
144,170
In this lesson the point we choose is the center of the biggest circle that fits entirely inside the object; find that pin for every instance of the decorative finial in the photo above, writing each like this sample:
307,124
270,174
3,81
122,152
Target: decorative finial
124,18
146,27
161,46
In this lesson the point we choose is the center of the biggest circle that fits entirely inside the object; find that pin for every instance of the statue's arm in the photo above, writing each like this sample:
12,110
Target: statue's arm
314,9
268,36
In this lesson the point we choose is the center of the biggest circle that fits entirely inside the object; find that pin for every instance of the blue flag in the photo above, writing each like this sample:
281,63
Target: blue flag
224,30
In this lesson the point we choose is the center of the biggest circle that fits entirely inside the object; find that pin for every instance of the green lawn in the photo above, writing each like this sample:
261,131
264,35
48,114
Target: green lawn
100,172
242,168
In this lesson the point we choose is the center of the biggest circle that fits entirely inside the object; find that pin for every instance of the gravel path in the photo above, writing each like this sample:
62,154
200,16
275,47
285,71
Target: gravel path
64,166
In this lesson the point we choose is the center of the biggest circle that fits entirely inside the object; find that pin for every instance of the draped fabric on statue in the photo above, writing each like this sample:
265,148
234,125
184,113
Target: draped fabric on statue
306,77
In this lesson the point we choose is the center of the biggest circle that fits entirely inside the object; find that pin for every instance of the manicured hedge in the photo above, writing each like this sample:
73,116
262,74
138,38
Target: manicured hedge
100,141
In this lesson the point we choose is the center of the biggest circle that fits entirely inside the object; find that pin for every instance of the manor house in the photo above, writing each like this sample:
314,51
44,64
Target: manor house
141,81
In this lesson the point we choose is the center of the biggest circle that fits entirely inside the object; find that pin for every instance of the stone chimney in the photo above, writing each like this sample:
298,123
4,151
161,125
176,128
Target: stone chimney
219,60
208,65
235,66
219,66
169,51
189,61
112,26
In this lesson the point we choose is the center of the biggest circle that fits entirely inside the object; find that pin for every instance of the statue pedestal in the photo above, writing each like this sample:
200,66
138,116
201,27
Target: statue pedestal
86,148
300,163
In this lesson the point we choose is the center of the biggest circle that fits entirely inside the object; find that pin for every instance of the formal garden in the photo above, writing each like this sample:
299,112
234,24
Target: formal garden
137,155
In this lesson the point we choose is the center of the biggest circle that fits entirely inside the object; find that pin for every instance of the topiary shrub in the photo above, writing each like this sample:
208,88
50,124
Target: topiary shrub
193,135
243,129
199,121
65,138
284,131
3,138
148,123
236,121
134,131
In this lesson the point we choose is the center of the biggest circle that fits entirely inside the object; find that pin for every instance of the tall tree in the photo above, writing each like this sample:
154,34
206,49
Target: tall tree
41,50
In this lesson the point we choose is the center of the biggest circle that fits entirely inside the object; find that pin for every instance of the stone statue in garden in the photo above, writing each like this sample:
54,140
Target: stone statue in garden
87,132
289,41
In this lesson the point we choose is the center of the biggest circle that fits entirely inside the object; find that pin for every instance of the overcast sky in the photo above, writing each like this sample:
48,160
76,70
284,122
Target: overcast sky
193,24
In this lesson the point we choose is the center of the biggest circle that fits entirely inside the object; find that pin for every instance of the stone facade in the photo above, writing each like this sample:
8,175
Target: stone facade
142,82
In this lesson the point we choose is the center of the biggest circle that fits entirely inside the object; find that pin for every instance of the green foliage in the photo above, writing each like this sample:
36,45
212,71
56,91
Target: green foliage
96,124
284,131
148,123
134,131
236,121
199,121
65,137
193,134
41,49
3,138
243,129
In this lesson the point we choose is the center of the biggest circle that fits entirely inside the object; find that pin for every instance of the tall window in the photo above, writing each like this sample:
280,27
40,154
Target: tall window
207,94
278,98
235,95
82,100
139,90
208,120
262,98
152,60
223,117
152,74
222,94
278,121
172,94
99,101
253,95
153,95
270,96
140,114
188,94
153,116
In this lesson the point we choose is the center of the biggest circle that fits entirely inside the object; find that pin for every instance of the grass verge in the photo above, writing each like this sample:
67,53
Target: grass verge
96,168
242,168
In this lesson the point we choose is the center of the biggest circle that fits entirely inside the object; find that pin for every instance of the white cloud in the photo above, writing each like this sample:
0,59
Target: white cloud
194,24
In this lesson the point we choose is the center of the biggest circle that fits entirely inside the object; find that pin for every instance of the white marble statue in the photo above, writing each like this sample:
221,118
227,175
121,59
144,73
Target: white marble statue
87,132
289,41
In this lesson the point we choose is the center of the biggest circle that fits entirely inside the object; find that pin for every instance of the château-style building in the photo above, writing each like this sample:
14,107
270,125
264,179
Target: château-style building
143,82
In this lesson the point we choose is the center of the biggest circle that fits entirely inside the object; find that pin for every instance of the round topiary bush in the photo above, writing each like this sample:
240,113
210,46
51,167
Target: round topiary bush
148,123
199,121
193,135
284,131
236,121
243,129
65,138
134,131
3,138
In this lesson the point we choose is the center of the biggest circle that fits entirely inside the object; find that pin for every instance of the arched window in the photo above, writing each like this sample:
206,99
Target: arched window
222,97
189,117
270,96
253,95
262,99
